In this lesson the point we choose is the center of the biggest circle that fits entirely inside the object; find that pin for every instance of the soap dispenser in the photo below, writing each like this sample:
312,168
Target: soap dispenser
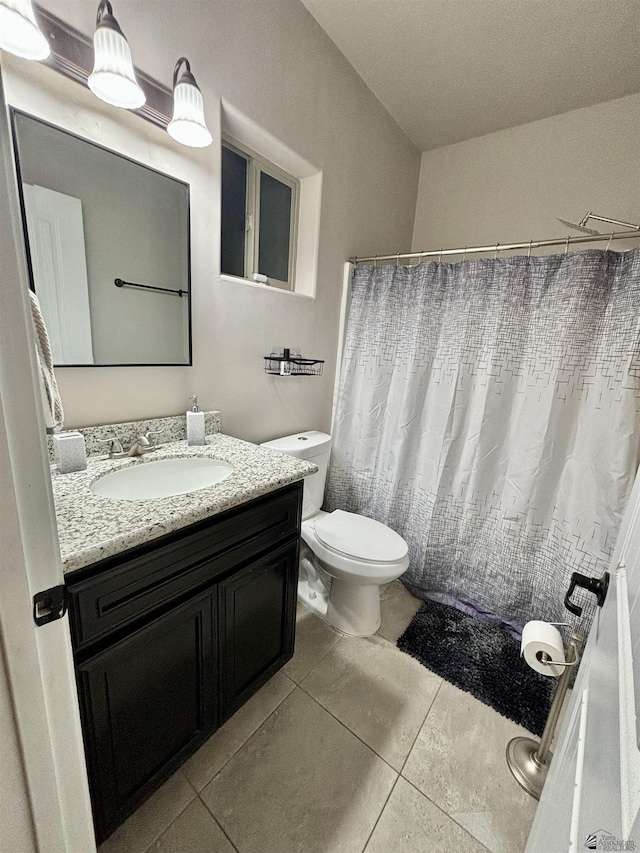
195,425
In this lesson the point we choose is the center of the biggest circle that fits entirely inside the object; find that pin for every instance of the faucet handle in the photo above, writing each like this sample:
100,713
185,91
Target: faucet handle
114,445
149,433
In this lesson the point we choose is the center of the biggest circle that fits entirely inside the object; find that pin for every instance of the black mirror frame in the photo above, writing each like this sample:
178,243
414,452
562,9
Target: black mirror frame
13,112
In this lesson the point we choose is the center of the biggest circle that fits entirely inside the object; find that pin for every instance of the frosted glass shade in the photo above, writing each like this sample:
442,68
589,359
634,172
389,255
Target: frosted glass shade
113,79
19,32
188,124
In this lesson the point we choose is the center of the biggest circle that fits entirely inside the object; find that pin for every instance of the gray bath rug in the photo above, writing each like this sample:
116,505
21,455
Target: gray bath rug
481,659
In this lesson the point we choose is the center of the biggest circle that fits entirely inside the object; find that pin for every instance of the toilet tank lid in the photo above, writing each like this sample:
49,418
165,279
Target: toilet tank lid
303,444
360,537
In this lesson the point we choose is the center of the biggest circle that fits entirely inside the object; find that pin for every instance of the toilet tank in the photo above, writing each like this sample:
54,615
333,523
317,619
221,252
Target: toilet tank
315,447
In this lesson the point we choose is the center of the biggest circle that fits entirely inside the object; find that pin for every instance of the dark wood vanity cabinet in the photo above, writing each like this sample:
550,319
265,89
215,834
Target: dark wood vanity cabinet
172,637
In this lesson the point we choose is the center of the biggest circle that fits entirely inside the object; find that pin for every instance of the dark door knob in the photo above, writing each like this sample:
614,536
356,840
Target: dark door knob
597,586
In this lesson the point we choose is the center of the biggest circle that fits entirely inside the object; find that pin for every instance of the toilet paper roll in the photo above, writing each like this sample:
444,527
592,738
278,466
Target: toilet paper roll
539,638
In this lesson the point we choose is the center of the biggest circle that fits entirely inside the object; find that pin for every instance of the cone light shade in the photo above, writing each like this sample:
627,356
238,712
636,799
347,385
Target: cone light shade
113,79
19,32
188,125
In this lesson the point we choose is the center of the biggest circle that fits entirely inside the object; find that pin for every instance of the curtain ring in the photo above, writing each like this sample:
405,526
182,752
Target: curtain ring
566,245
495,254
440,256
398,259
375,262
529,252
609,243
464,254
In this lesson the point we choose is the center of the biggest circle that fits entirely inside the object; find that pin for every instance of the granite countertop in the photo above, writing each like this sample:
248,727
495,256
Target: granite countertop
91,528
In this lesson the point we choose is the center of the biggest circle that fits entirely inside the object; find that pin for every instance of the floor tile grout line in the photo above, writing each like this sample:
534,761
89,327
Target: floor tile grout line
433,701
167,828
320,659
247,739
299,684
414,785
445,813
443,681
344,726
217,822
366,745
189,782
377,820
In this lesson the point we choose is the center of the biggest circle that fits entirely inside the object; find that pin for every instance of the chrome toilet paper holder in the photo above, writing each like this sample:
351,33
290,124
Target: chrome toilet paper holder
544,658
528,759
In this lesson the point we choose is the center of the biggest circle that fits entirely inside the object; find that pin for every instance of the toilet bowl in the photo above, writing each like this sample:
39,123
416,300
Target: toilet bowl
345,557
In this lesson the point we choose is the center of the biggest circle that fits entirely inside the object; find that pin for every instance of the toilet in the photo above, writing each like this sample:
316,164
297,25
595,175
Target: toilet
345,557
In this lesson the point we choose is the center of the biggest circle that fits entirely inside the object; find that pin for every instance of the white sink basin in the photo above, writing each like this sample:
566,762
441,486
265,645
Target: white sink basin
162,478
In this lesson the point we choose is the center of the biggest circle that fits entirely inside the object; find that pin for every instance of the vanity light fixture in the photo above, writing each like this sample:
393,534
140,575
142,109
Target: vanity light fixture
19,31
113,79
188,124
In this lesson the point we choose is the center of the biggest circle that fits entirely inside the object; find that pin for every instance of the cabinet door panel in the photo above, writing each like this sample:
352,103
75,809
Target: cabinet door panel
257,624
148,702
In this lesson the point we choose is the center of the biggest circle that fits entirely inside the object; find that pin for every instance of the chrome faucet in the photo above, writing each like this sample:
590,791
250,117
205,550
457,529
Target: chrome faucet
115,449
143,444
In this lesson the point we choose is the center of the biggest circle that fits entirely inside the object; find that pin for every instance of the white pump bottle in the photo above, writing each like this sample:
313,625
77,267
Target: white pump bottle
195,425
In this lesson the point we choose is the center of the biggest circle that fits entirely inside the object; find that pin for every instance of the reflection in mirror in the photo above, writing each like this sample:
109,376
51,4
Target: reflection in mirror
93,216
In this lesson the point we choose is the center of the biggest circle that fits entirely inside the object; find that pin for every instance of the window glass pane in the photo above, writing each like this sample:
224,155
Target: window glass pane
234,211
275,226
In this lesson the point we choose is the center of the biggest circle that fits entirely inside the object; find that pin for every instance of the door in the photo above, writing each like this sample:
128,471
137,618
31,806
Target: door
591,799
59,264
37,661
147,702
257,608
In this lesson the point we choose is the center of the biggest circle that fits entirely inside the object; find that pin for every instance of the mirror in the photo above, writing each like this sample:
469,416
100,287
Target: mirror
108,247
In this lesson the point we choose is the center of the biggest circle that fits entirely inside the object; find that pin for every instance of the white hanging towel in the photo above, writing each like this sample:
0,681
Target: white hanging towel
52,404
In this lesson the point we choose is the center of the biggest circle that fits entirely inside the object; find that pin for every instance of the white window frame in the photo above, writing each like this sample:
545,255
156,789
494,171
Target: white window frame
255,166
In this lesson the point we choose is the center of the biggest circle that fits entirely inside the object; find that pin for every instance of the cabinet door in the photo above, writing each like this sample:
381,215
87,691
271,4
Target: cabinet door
257,607
147,703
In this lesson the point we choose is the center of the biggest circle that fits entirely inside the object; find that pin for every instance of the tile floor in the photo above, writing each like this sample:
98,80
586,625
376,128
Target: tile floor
353,747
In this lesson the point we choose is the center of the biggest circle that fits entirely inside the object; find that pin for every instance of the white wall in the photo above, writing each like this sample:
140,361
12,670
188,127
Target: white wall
510,186
270,60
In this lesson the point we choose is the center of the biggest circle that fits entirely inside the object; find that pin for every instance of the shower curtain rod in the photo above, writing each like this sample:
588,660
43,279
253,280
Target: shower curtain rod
501,247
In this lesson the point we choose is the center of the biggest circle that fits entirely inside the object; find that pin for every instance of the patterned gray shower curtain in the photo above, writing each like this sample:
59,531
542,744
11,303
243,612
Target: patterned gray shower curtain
489,411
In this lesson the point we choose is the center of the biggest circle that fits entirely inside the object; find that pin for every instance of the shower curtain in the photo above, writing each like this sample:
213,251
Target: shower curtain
489,411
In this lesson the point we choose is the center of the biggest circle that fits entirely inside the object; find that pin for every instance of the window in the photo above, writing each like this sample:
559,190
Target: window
259,218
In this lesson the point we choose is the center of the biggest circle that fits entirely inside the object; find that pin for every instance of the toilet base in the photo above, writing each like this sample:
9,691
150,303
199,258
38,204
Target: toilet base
314,599
350,606
354,608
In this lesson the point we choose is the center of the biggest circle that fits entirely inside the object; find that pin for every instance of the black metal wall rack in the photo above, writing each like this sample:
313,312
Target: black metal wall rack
287,365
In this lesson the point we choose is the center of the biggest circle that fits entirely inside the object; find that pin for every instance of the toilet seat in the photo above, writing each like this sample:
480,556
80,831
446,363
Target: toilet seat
344,564
360,538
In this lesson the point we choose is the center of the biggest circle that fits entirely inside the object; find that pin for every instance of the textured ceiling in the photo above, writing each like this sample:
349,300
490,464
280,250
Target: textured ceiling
449,70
